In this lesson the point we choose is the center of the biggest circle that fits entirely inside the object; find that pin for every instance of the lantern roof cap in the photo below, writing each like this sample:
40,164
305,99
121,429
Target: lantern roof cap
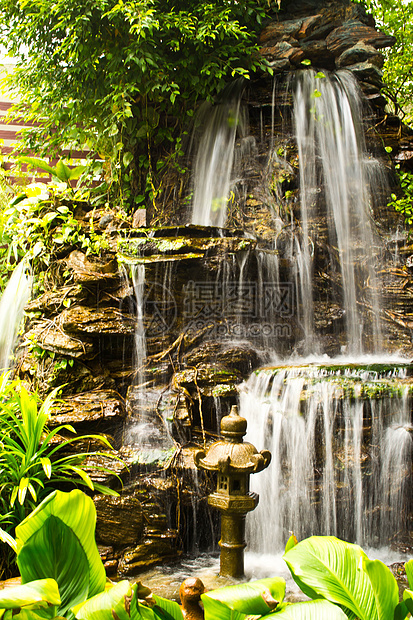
233,426
231,455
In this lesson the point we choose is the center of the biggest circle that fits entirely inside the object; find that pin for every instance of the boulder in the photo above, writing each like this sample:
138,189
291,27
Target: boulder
119,520
361,52
367,72
98,407
90,271
152,551
353,32
86,320
49,336
277,31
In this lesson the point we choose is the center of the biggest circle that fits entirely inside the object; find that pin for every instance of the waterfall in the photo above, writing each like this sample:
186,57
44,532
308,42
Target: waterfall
13,300
214,169
341,446
138,281
332,154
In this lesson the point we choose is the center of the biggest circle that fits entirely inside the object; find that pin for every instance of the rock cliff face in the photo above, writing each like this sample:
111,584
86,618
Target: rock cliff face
200,345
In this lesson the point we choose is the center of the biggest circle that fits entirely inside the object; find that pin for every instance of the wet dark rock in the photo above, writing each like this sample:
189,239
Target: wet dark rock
361,52
280,65
98,408
317,52
280,51
367,72
242,358
87,271
277,31
49,336
85,320
52,302
309,24
205,375
352,32
119,520
182,247
105,220
150,552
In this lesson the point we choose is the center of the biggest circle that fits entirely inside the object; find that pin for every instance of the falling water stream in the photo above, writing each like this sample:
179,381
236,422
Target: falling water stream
13,300
339,431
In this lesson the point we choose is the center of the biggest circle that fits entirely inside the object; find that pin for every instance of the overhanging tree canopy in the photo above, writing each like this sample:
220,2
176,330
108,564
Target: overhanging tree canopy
116,75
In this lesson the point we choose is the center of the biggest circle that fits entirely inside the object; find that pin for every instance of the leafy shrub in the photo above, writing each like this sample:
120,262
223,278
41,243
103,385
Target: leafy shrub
31,464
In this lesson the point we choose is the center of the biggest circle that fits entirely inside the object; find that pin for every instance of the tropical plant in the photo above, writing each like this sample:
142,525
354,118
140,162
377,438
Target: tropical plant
31,464
327,568
61,171
338,575
39,223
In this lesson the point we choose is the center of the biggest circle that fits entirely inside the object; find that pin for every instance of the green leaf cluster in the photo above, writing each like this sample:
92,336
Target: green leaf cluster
31,459
120,76
327,568
403,203
395,17
337,575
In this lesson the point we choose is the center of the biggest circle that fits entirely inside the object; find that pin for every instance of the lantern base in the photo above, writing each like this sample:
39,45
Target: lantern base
232,545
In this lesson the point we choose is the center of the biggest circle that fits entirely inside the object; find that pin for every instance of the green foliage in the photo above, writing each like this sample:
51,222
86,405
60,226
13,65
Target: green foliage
39,594
257,597
395,17
332,569
338,575
61,171
30,461
120,77
40,224
58,540
404,204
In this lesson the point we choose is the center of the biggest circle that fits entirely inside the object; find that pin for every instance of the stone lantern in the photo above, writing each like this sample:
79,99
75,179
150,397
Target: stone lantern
233,460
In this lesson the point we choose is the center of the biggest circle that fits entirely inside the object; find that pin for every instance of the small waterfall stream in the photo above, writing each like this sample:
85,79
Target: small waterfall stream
332,154
340,436
341,440
13,300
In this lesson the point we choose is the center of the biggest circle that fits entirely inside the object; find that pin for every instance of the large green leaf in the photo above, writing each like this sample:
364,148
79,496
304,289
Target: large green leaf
409,572
105,605
58,540
37,163
309,610
171,609
256,597
122,602
326,567
38,594
386,591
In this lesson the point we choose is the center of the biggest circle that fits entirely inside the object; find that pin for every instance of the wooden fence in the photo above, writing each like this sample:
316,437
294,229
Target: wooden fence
9,137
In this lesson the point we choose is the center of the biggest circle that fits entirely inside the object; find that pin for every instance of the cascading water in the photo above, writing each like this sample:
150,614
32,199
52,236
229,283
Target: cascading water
12,303
332,155
138,281
341,443
215,168
340,436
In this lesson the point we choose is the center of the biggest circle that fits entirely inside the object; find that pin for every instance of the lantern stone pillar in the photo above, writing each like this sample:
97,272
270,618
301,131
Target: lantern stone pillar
233,460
